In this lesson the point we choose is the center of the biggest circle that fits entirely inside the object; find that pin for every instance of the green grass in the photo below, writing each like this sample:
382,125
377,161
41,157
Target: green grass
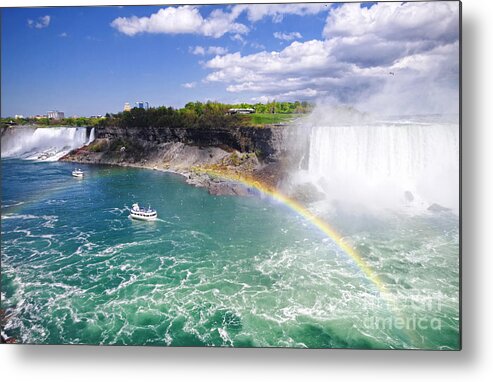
268,119
98,146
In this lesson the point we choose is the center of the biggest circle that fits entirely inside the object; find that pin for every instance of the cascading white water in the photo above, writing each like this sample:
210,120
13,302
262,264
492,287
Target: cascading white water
45,143
386,164
92,135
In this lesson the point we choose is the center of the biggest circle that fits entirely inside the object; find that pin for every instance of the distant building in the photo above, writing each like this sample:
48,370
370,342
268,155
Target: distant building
241,111
19,116
127,107
55,114
142,105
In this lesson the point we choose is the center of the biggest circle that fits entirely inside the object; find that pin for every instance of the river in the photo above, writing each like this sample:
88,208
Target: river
214,270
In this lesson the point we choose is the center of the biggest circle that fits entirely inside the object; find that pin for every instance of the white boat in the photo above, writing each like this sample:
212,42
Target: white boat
78,173
142,213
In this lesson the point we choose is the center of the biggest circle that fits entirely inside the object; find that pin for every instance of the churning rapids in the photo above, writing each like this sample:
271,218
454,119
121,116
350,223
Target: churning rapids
237,271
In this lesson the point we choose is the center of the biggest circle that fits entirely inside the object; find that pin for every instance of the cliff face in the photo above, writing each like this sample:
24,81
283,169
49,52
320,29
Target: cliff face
266,143
247,150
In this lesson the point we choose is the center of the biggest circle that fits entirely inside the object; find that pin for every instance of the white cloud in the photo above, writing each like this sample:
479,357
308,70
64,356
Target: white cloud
177,20
298,57
238,37
40,22
220,22
256,45
63,34
423,82
385,32
197,50
287,36
212,50
217,50
189,85
301,94
188,19
418,42
166,20
412,21
256,12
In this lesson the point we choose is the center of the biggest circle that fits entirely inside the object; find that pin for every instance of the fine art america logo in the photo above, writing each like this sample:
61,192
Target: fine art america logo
412,314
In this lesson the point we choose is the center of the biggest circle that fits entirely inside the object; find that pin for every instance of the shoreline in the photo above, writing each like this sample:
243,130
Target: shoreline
192,175
197,154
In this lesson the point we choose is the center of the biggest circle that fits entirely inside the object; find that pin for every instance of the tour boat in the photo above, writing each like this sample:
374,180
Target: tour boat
78,173
142,213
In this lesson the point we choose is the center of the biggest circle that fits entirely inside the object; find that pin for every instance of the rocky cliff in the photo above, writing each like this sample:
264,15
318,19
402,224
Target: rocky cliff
246,150
266,142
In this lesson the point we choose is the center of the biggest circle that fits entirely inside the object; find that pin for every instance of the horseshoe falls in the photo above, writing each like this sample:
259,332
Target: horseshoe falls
384,165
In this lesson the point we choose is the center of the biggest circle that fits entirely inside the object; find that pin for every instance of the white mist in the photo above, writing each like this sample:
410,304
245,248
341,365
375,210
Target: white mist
381,164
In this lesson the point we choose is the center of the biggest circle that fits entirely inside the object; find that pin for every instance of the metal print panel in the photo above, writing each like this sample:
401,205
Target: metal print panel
239,175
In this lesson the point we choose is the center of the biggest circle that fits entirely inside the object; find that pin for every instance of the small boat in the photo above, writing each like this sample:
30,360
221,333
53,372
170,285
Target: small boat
142,213
78,173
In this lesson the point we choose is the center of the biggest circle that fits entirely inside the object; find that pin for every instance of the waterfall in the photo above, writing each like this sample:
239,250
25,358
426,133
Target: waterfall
91,135
386,164
43,143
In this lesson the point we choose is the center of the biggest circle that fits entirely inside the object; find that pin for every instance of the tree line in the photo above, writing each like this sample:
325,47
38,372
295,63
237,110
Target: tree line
200,115
78,121
193,115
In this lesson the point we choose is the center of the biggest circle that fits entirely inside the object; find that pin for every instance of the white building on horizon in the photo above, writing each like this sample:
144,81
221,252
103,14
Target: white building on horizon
55,114
241,111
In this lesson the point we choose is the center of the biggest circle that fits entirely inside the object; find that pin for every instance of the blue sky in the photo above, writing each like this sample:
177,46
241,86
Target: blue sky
91,60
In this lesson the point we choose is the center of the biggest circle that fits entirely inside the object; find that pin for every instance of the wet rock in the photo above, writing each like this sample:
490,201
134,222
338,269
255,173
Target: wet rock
437,208
227,188
4,318
408,195
307,193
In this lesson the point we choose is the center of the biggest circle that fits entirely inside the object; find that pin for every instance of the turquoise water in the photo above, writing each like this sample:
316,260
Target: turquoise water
213,270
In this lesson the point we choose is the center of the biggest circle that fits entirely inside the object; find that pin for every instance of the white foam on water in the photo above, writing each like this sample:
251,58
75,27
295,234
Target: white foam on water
225,337
12,204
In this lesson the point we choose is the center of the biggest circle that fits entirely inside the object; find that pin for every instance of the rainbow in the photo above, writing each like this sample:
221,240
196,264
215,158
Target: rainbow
323,227
291,203
310,217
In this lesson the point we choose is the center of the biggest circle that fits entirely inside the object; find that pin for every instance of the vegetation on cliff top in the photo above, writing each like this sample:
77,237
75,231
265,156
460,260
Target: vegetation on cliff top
46,122
194,115
207,115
